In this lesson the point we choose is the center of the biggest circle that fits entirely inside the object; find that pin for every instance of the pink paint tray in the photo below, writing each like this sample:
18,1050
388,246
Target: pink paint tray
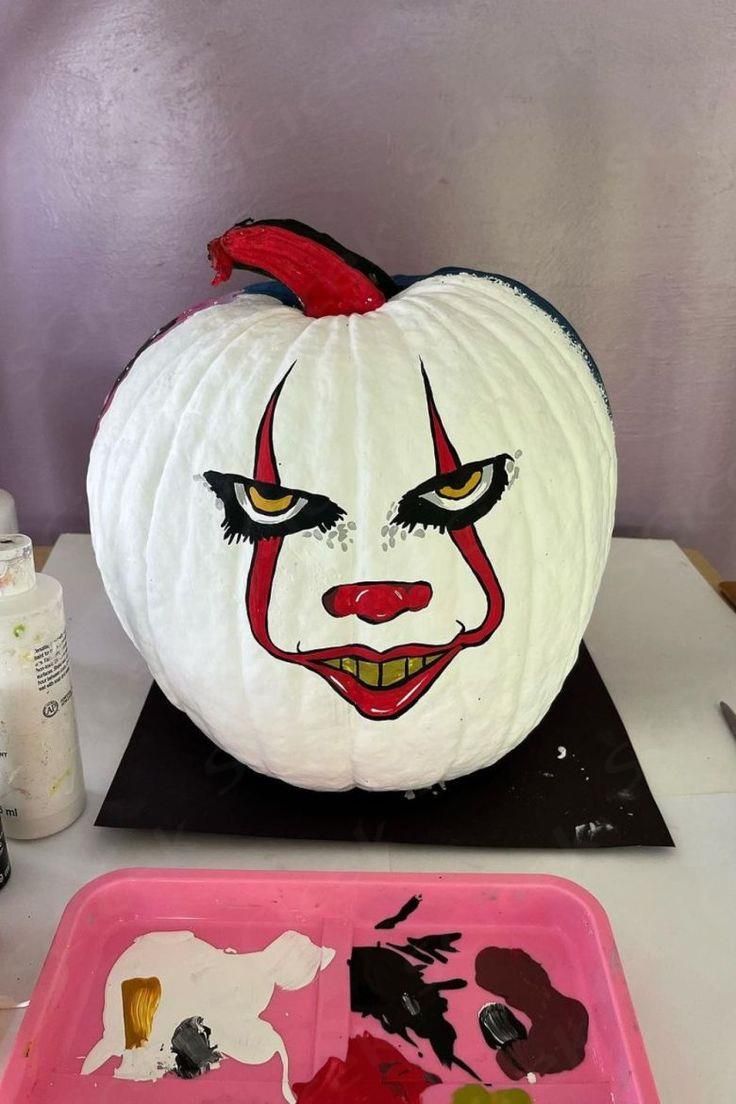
437,943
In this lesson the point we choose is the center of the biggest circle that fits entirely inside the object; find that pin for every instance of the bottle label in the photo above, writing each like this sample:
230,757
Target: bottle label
51,662
40,767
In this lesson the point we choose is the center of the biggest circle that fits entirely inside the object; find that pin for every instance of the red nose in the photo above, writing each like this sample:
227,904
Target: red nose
376,602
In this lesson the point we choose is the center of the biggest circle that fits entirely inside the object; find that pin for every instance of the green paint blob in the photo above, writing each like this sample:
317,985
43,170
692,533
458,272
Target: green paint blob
476,1094
18,631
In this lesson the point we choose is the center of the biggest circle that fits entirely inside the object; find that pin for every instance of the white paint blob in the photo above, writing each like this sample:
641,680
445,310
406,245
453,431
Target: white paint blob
229,991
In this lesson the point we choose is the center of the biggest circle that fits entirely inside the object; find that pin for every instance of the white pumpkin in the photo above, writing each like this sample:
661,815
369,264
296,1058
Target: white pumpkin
416,492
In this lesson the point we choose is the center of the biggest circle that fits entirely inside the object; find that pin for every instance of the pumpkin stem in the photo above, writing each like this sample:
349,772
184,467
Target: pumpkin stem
326,277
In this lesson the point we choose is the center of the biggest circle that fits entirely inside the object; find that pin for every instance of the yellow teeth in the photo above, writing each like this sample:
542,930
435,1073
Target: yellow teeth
389,673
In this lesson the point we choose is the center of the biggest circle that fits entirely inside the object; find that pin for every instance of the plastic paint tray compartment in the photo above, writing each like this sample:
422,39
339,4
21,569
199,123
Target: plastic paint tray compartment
556,922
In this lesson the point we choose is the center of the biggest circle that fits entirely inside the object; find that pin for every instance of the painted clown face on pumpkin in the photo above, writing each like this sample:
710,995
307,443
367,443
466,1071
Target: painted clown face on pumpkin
415,487
380,682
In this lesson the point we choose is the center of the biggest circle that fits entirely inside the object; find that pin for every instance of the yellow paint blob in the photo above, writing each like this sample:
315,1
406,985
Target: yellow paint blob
269,505
476,1094
467,488
141,998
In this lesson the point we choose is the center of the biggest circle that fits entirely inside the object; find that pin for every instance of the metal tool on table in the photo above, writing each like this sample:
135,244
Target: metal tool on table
730,716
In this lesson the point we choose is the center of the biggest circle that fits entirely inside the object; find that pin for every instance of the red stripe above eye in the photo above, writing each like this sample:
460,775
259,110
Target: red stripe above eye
445,457
265,468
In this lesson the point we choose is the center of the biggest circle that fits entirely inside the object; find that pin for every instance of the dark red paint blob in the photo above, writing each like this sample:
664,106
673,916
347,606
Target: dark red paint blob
374,1072
559,1024
376,602
326,278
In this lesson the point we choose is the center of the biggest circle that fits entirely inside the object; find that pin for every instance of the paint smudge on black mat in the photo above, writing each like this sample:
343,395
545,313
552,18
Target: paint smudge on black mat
191,1045
559,1024
385,985
404,913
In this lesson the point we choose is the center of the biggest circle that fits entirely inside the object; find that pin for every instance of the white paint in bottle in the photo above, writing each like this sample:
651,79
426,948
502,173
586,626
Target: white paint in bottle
41,780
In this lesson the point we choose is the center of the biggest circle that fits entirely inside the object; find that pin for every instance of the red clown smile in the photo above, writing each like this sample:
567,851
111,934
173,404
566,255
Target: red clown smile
382,684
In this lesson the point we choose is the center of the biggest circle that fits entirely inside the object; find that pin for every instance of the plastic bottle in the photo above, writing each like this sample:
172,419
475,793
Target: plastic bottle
41,781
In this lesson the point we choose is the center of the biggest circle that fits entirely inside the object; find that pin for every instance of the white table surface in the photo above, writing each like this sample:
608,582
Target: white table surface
665,645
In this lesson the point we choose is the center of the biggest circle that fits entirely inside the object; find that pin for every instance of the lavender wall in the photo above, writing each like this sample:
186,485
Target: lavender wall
586,147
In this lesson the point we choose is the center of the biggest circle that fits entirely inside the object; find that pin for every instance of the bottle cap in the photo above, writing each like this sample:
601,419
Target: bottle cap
17,570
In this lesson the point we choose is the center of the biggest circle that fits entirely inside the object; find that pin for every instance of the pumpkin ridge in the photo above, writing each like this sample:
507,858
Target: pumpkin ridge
243,327
518,322
126,484
483,323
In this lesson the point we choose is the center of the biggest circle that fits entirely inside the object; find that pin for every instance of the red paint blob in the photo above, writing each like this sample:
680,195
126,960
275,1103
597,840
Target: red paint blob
374,1072
376,602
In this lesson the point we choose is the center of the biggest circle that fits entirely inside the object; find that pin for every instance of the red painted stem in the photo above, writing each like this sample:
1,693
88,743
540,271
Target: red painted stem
324,281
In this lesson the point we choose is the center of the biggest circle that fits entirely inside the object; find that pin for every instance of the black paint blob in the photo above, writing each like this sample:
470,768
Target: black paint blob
404,912
429,948
499,1026
191,1045
383,984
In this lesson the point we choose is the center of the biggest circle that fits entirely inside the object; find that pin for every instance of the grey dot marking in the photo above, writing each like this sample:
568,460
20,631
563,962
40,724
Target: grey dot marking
343,546
219,505
384,546
318,535
307,533
518,453
419,533
384,530
391,542
403,534
392,530
352,525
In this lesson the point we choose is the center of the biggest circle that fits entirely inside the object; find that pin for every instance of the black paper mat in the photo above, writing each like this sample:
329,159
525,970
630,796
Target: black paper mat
172,777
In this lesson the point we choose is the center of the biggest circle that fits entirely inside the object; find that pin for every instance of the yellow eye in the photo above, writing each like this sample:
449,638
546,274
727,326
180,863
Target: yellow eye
269,505
448,491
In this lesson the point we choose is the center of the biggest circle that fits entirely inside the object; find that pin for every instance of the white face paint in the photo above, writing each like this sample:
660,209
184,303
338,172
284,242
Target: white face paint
351,427
229,992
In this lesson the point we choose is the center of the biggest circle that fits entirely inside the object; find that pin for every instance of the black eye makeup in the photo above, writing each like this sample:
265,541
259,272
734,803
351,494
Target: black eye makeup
256,511
456,499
